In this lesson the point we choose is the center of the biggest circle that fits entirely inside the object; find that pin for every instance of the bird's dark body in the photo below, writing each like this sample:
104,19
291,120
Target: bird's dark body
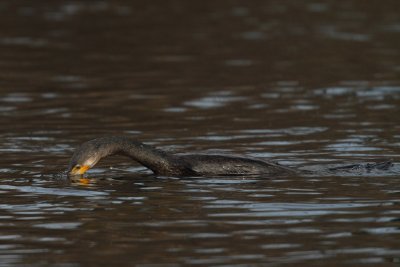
168,164
231,165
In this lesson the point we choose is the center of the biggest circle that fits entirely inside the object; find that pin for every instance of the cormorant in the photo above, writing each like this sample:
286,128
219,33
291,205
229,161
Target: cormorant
167,164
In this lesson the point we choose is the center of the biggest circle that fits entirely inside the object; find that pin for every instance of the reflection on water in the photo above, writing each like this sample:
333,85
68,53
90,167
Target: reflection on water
308,84
199,220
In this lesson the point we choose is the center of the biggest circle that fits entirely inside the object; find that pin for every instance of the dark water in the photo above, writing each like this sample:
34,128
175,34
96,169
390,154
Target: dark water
310,84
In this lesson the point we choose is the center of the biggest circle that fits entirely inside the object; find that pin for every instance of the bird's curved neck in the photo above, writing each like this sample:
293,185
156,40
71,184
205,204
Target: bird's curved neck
160,162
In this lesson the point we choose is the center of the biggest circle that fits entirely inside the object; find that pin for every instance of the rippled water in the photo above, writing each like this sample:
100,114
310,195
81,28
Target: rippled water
310,84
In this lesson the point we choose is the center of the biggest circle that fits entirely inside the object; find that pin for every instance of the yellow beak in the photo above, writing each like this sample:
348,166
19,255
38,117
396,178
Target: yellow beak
79,170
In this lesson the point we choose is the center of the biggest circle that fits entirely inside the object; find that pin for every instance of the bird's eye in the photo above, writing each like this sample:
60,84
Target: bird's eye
77,167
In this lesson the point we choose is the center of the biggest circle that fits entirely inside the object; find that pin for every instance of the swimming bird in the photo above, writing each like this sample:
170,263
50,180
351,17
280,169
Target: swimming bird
168,164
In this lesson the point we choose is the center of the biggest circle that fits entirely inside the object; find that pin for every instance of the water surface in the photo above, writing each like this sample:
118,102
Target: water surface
311,85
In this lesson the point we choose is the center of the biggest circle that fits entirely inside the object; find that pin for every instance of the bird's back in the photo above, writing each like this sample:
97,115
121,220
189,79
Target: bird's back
230,165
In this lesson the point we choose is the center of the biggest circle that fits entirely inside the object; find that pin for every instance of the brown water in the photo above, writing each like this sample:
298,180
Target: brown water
310,84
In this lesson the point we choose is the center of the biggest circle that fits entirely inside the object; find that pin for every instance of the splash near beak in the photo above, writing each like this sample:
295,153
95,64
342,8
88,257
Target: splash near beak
79,170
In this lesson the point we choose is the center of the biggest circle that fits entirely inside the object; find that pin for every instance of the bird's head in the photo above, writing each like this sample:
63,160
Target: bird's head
90,152
84,158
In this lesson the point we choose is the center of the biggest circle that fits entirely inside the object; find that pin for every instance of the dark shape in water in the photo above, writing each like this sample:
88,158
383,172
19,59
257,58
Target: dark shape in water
383,166
163,163
167,164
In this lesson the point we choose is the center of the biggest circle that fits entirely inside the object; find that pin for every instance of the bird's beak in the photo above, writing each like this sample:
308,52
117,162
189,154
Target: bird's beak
79,171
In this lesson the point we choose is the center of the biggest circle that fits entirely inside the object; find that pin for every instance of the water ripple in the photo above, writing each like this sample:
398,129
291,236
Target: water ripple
54,191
